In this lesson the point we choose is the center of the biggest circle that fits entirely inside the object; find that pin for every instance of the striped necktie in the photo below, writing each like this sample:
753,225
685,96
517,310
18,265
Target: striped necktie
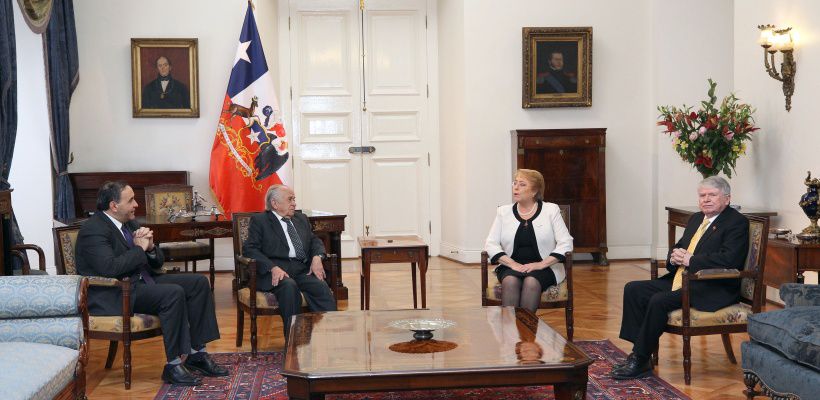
294,238
677,282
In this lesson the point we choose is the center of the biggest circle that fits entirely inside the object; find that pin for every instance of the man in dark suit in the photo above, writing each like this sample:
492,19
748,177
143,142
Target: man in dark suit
715,237
111,244
288,256
165,92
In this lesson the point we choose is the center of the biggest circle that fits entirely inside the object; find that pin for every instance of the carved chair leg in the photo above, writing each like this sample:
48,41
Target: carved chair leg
687,359
570,322
415,296
655,357
186,266
240,325
750,379
126,361
112,353
253,333
194,264
727,345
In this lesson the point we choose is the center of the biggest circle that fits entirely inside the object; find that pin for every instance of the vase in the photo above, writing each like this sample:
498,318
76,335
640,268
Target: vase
809,204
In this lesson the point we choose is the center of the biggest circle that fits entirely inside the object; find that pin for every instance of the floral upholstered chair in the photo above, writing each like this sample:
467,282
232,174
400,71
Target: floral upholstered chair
43,331
689,322
262,303
557,296
124,328
162,201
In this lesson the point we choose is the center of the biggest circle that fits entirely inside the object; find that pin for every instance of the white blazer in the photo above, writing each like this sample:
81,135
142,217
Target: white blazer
550,232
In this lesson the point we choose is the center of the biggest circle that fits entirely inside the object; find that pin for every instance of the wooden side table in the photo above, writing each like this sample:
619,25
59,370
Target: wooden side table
786,261
393,249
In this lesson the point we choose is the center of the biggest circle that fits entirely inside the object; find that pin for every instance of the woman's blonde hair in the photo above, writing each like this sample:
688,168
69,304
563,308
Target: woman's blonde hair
535,178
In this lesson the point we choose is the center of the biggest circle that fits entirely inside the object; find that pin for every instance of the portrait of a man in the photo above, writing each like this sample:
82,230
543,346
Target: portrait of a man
164,78
557,68
165,91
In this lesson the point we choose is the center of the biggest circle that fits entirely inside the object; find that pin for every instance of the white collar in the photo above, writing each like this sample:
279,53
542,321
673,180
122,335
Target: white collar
117,223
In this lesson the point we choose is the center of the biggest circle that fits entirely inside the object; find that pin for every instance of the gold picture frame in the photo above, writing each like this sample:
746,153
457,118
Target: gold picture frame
557,67
165,78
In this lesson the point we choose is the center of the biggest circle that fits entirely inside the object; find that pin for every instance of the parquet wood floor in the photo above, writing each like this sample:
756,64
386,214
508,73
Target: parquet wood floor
598,292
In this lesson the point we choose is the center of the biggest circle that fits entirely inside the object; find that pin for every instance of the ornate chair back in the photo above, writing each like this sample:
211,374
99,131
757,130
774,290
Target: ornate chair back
241,222
65,238
751,288
162,200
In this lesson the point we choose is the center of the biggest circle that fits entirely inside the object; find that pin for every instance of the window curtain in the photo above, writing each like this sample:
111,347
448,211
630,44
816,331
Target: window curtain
62,68
8,119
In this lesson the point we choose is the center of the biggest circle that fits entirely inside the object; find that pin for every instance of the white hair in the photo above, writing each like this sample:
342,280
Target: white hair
274,192
717,182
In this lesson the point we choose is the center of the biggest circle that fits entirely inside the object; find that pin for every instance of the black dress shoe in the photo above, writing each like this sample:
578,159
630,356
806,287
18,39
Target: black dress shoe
637,367
623,364
179,375
203,363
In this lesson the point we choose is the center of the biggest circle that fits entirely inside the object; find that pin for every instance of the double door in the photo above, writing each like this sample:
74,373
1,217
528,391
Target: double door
360,114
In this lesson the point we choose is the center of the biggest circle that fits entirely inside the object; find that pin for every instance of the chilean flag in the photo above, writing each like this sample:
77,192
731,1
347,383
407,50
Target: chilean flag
250,150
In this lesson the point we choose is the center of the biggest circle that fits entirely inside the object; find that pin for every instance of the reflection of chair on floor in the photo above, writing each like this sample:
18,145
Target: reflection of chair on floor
263,303
123,328
689,322
160,202
558,296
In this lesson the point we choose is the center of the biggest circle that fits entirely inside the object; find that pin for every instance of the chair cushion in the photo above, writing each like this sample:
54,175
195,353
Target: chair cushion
263,299
189,250
779,373
732,315
35,370
794,332
139,322
552,294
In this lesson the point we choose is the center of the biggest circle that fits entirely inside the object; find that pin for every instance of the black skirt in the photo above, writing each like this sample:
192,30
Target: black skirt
544,276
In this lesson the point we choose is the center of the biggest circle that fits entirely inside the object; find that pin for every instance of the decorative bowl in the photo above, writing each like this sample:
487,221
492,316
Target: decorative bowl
422,327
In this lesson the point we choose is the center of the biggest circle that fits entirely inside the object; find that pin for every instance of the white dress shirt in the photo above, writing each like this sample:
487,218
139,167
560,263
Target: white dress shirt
291,249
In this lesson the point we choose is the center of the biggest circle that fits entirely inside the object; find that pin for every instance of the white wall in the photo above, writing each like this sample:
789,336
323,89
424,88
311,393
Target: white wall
787,143
691,42
30,175
104,136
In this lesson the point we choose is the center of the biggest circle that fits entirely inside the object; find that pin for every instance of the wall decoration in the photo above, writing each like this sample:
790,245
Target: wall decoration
557,67
36,13
164,76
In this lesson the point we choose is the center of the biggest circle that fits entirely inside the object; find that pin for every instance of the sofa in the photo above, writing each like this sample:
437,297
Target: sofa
783,353
43,330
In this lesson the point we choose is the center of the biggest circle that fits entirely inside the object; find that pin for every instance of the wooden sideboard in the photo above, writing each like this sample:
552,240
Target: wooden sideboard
86,185
573,164
787,260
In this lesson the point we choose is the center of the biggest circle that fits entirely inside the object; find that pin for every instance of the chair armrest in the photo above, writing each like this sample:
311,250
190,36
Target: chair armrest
246,266
796,294
719,273
19,250
654,266
103,281
331,265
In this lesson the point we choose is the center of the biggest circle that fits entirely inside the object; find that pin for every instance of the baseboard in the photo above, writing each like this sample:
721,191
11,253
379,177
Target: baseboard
456,253
628,252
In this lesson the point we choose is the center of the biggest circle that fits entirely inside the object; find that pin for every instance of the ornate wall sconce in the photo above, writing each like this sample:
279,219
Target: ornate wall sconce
772,40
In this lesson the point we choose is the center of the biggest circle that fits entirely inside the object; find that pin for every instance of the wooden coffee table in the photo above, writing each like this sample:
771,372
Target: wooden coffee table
358,351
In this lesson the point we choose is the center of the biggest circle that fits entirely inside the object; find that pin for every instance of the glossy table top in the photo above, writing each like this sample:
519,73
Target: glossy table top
363,343
370,242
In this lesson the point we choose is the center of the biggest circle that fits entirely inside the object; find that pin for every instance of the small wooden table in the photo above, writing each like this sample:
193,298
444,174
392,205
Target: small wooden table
787,260
393,249
358,351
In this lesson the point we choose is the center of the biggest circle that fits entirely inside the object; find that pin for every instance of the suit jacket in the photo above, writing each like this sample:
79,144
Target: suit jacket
725,244
268,245
101,250
175,95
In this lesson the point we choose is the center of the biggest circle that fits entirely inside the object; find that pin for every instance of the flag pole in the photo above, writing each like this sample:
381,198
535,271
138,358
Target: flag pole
250,3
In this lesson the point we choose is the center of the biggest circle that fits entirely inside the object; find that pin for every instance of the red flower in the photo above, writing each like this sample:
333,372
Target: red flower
692,115
670,127
705,161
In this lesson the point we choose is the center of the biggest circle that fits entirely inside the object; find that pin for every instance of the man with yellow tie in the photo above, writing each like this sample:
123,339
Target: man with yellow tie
715,237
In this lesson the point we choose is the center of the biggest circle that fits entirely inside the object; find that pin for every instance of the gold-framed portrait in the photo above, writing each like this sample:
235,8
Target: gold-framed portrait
165,78
557,67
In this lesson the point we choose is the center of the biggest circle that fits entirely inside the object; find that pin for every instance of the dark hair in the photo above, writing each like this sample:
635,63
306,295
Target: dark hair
170,64
109,191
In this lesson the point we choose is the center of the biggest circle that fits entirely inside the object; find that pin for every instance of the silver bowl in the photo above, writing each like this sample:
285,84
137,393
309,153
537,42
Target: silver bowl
422,327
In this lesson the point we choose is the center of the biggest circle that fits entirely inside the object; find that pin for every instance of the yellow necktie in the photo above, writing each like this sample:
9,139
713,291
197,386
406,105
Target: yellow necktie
677,282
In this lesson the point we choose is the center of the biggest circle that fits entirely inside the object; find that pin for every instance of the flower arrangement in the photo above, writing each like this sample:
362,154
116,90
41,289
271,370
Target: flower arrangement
711,138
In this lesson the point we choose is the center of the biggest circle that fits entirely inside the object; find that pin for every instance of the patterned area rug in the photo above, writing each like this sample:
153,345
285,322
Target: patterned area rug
260,379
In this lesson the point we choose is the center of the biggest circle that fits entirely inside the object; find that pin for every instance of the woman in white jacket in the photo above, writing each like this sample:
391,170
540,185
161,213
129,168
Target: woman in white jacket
528,239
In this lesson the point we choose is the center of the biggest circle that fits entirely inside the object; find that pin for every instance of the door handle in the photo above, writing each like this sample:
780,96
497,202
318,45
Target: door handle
361,149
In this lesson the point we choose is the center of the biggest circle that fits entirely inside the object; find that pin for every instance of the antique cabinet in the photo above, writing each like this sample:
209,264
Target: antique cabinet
573,164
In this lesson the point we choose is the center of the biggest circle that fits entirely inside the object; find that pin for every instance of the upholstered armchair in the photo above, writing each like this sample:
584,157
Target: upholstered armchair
688,321
558,296
127,326
43,331
261,303
783,353
161,201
